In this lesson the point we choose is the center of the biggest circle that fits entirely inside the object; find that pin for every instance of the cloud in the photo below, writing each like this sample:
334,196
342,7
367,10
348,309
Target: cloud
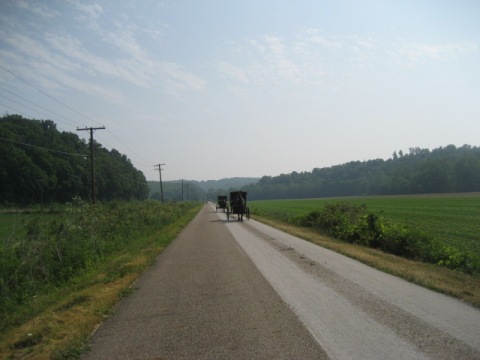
87,11
281,60
38,9
414,54
131,64
233,71
179,79
312,36
82,85
30,48
265,60
269,59
129,67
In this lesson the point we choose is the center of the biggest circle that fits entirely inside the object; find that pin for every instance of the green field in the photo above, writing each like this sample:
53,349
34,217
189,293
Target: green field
451,218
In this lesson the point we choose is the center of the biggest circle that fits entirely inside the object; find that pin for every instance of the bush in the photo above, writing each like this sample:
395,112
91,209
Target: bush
54,249
354,224
340,219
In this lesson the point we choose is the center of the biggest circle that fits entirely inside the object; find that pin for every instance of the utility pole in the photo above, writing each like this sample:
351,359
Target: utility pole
92,162
160,174
182,189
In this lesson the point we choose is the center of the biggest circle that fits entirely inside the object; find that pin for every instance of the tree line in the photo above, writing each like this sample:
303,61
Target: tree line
447,169
176,191
39,163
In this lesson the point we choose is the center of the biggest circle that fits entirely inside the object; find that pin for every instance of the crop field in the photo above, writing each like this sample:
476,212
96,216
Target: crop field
453,219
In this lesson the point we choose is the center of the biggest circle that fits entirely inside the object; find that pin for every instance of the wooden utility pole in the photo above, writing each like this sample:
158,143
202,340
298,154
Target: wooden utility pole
92,161
159,166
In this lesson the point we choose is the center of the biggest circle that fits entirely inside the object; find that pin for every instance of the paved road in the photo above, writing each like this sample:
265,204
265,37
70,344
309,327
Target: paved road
204,299
228,290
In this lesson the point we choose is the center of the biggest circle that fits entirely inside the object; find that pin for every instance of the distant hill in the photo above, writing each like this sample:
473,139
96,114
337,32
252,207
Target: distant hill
227,183
197,190
421,171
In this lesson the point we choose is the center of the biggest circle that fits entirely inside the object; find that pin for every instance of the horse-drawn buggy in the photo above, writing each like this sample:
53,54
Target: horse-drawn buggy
221,203
238,205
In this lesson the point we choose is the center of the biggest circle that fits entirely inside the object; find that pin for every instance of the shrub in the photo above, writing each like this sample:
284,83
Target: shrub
54,249
340,219
354,224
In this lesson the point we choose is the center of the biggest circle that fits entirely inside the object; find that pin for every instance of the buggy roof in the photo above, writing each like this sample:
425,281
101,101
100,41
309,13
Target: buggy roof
233,194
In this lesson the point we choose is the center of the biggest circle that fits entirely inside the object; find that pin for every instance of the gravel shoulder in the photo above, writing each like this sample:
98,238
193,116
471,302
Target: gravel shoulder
355,311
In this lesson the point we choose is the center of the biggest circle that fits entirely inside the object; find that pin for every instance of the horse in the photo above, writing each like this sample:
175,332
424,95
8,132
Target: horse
239,207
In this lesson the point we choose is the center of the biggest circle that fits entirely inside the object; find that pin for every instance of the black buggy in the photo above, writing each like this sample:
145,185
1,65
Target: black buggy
238,205
221,203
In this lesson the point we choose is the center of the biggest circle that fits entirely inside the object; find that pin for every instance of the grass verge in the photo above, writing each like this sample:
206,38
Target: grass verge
68,316
450,282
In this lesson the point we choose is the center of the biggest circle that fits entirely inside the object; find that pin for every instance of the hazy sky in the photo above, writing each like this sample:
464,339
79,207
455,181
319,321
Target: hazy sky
220,88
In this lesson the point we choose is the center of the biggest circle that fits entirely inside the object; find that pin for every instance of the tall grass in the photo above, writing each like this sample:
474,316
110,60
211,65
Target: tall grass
45,252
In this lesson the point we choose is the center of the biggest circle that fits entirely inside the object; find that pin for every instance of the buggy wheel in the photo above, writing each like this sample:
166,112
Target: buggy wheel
247,212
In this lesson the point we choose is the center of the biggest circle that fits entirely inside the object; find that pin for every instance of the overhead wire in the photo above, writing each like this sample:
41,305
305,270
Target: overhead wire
59,102
18,112
74,110
44,148
39,106
28,107
49,96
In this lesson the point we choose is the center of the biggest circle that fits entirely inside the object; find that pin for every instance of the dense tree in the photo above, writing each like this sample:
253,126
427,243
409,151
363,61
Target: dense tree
448,169
40,163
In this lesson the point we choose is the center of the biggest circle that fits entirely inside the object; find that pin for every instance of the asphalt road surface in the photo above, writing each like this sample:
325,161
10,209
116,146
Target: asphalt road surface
233,290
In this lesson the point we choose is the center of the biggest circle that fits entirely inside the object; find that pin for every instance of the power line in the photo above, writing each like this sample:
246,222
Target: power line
48,95
71,154
128,148
28,107
31,102
25,116
43,148
15,110
66,106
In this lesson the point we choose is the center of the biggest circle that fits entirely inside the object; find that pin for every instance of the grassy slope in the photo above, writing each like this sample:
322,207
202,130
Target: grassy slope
67,317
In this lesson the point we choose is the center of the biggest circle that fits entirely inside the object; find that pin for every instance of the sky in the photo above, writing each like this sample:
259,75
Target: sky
216,89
